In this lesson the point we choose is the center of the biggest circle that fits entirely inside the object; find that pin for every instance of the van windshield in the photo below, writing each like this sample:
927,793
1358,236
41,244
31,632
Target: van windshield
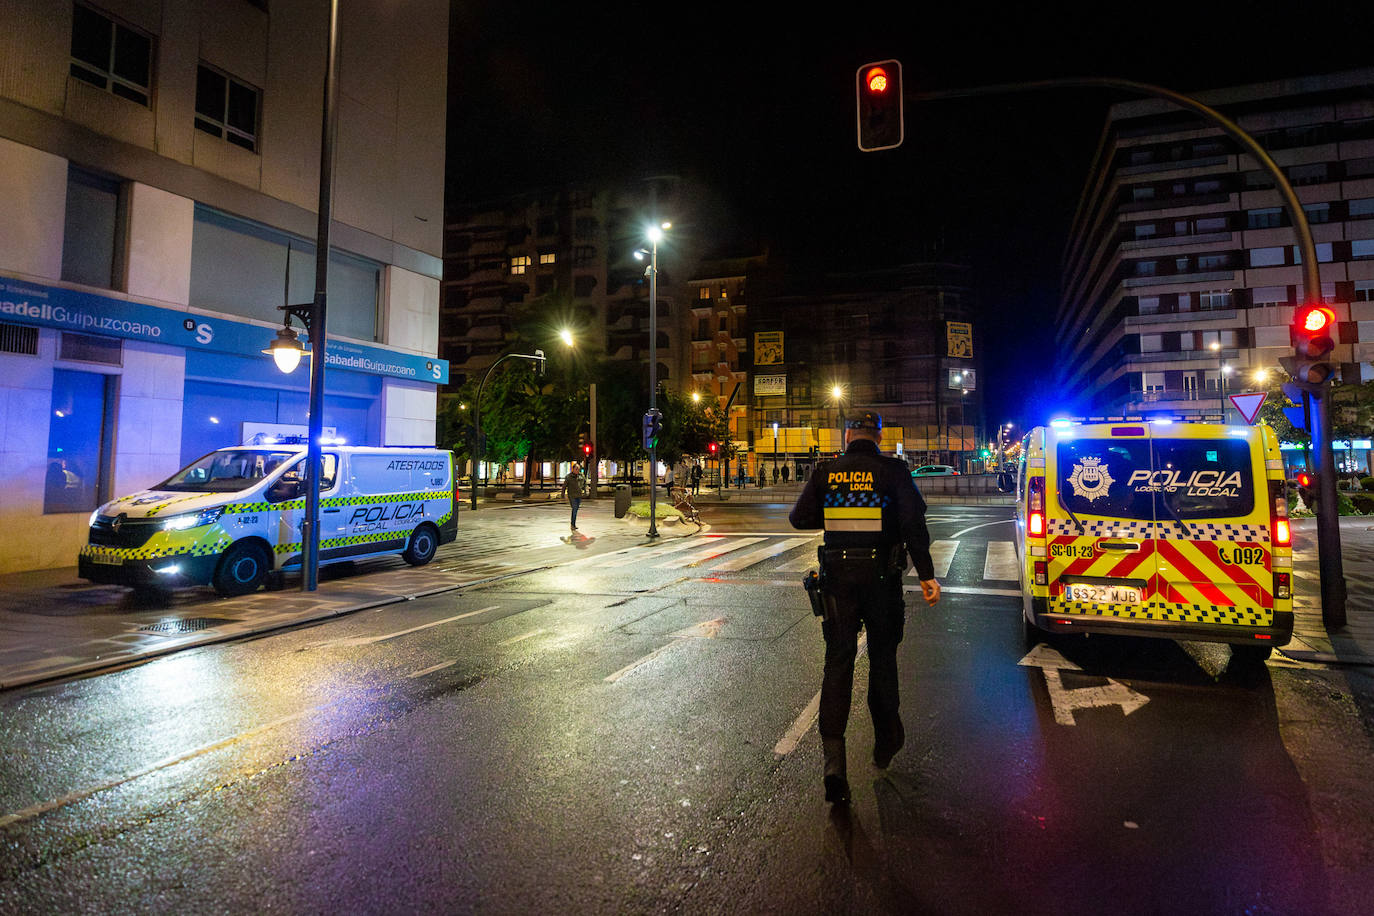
1121,478
226,471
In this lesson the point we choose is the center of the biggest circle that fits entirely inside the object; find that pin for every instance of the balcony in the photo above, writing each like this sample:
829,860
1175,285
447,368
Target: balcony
1207,358
1138,323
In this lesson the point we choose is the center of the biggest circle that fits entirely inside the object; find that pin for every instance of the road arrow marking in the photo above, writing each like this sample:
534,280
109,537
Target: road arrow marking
1065,700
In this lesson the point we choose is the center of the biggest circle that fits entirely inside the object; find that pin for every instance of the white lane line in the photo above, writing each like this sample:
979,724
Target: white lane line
758,556
432,668
611,679
369,640
1005,521
640,553
804,560
710,553
33,811
521,638
969,590
793,736
942,553
1001,562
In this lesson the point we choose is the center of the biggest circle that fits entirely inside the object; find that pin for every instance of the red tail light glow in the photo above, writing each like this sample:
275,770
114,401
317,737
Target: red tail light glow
1283,533
1036,526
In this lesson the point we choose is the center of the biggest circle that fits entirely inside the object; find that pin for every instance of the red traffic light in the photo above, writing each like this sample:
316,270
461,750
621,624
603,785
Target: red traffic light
587,449
1304,479
1314,320
878,103
712,447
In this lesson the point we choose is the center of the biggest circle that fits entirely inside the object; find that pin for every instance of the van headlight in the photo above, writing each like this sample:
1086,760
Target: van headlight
192,519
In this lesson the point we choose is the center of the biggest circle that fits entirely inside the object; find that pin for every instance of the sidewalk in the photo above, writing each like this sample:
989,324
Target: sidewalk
1352,644
53,624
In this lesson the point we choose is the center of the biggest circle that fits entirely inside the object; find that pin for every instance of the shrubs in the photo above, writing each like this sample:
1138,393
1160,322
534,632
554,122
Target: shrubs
1367,484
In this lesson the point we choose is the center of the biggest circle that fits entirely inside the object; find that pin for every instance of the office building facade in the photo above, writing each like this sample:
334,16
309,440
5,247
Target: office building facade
160,164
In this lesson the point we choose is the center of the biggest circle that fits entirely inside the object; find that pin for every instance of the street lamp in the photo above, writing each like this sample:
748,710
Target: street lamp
775,452
654,234
837,394
286,350
536,357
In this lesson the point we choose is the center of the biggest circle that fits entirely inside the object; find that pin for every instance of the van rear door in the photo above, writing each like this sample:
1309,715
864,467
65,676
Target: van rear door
1212,540
1100,544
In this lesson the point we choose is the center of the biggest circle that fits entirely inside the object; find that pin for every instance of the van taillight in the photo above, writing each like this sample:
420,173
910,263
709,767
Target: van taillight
1278,508
1283,585
1042,573
1283,534
1035,522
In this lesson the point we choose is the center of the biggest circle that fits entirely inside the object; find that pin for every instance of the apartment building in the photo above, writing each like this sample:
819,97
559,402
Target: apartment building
565,255
718,336
1181,274
159,162
902,341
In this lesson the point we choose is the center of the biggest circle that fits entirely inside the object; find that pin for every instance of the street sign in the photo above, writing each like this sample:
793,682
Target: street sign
1248,404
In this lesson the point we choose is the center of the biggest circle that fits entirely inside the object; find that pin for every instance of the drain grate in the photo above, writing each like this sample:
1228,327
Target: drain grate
185,625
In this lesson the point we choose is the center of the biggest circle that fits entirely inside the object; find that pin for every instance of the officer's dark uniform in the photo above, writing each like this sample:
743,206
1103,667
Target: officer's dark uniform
870,510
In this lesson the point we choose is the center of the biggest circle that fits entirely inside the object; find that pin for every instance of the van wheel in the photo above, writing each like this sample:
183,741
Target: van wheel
423,543
242,570
1248,656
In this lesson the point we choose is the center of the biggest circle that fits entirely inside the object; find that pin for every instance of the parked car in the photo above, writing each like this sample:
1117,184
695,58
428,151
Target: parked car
935,470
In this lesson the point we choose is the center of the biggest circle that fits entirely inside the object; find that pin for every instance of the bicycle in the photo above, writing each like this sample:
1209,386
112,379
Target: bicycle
682,501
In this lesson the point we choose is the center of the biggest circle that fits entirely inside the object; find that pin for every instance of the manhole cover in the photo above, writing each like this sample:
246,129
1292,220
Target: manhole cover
184,625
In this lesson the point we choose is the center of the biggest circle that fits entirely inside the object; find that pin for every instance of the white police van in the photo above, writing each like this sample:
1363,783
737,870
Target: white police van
233,517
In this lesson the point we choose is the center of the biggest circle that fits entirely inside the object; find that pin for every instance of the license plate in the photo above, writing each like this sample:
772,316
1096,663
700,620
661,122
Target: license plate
1108,594
106,559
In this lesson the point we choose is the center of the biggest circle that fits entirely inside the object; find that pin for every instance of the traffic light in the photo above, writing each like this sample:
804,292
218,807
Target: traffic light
653,425
878,87
586,450
1311,331
713,448
1304,480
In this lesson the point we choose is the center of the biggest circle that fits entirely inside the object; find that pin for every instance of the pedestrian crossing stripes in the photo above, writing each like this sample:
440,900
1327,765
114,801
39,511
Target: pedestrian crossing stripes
768,554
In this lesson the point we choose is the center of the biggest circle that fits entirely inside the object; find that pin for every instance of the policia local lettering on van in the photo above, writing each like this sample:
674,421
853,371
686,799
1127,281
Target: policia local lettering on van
873,517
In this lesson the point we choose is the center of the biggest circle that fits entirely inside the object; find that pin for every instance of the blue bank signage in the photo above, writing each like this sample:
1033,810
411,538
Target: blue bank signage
73,310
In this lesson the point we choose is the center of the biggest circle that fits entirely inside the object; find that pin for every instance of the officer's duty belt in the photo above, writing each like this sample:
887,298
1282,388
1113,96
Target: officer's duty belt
831,554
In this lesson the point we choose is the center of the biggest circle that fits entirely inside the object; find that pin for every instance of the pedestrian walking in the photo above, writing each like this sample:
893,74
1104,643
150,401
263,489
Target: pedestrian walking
572,488
786,473
696,479
739,477
775,475
874,517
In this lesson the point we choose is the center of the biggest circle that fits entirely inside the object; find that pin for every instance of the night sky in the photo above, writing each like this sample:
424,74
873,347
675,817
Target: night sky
758,101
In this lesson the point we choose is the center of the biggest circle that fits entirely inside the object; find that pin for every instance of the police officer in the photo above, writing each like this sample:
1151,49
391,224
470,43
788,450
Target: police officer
873,517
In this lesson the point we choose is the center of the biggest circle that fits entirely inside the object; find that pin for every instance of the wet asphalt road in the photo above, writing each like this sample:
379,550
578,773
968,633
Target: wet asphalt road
633,732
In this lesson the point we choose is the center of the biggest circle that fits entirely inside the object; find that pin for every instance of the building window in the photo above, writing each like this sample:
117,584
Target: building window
247,269
1361,208
1148,305
1362,248
703,292
227,108
548,258
1144,230
1311,173
519,264
724,292
1211,224
1269,295
1364,290
111,56
1213,261
1318,213
1151,343
1145,192
1267,218
1266,257
79,441
1144,268
1359,168
91,232
1214,299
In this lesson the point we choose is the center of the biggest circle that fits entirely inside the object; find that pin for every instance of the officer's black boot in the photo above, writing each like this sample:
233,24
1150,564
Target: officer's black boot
836,785
886,747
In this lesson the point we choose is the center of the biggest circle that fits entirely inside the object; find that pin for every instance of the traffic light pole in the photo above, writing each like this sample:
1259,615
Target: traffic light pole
1328,519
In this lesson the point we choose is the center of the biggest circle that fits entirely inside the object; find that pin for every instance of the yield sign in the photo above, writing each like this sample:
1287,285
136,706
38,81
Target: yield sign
1248,404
